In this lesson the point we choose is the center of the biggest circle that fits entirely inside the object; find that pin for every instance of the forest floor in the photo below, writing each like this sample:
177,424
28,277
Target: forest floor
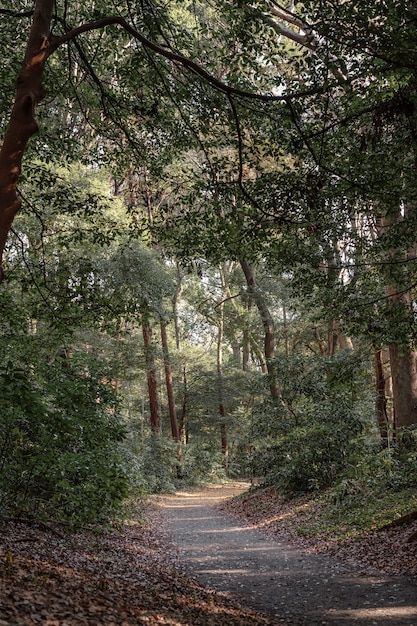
125,575
150,569
251,547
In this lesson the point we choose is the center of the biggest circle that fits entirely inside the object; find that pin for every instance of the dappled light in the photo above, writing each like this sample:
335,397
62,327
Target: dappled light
275,572
208,313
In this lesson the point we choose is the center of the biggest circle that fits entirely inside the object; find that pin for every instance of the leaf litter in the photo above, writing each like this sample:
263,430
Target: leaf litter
387,551
124,575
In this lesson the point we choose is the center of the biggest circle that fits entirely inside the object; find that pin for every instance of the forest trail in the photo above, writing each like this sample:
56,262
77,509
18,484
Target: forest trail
279,579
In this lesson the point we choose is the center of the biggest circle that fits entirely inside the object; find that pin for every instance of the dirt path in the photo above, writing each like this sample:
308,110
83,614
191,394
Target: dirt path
279,579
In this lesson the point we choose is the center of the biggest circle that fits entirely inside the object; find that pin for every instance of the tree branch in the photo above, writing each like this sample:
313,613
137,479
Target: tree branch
174,57
15,13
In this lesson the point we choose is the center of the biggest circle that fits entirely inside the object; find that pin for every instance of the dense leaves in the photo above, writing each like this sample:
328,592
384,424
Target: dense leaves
129,574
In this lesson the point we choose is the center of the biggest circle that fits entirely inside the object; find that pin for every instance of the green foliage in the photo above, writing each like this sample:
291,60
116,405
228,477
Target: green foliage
377,487
304,441
158,463
60,433
201,462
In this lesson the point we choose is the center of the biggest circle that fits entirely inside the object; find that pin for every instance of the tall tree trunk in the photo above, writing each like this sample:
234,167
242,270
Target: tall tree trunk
381,398
168,381
151,376
220,380
403,357
403,362
22,124
183,431
268,324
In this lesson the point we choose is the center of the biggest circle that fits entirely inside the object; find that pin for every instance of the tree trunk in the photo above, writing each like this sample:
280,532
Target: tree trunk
381,398
403,357
220,381
22,124
151,377
183,431
268,324
403,362
168,381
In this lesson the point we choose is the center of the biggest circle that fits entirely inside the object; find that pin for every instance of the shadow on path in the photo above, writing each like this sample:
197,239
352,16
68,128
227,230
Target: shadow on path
293,586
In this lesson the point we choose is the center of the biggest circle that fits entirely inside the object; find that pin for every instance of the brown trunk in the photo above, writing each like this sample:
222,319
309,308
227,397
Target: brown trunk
22,124
381,398
220,381
168,381
175,299
246,336
151,377
181,422
403,357
225,446
403,364
268,324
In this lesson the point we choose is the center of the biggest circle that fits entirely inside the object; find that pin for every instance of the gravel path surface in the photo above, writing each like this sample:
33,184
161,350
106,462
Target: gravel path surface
295,587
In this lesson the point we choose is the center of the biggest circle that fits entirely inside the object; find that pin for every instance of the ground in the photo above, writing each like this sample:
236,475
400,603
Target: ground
259,556
132,573
387,551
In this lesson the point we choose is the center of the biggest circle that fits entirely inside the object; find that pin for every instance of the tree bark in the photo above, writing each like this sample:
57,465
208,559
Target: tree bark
381,398
403,357
403,362
268,324
168,381
22,124
220,381
151,377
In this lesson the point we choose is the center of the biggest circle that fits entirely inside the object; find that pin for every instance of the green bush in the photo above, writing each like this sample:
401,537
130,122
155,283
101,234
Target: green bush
305,440
158,464
201,462
60,438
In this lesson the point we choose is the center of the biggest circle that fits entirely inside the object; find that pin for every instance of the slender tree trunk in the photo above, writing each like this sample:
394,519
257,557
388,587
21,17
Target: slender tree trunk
151,377
168,381
220,380
175,300
259,354
268,324
403,357
183,431
22,124
222,409
381,398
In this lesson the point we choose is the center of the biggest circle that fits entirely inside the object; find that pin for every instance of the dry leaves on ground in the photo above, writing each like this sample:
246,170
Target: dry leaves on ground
385,551
126,575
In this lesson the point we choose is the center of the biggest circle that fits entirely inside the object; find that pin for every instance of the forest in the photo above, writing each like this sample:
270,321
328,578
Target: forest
207,231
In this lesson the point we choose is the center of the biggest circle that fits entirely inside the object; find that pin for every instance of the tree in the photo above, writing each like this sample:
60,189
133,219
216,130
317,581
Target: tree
42,44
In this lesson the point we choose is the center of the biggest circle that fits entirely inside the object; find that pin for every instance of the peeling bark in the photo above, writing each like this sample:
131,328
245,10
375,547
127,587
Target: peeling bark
22,125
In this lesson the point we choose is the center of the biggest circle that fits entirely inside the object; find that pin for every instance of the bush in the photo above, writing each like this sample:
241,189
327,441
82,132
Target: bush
201,462
60,440
307,438
158,464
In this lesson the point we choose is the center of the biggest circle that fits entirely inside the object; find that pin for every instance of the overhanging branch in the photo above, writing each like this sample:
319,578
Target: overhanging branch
175,57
